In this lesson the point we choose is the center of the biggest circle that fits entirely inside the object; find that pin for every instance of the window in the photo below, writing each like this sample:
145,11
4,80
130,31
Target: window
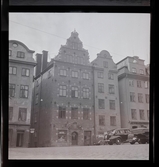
12,70
10,53
62,72
62,135
20,137
111,76
62,112
25,72
24,91
112,120
112,104
133,114
131,83
75,74
100,87
85,75
146,84
105,64
148,114
74,91
20,54
49,74
111,89
86,113
142,116
37,82
134,70
140,98
74,113
101,104
101,120
22,114
100,74
132,96
10,113
141,72
62,90
11,90
147,98
37,99
139,84
86,93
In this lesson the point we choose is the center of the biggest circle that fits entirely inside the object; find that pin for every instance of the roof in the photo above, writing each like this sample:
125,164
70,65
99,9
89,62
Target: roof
127,58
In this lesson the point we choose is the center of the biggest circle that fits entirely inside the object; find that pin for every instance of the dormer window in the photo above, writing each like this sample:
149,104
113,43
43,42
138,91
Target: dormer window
141,72
134,70
20,54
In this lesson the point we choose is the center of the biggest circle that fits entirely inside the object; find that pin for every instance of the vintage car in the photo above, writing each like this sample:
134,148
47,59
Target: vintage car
140,135
117,136
99,140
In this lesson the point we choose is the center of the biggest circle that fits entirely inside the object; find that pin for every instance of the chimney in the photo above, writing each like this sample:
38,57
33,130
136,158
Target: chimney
38,66
44,59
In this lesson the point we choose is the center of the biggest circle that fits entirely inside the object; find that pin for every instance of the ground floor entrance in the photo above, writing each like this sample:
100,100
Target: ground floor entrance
87,138
74,138
20,137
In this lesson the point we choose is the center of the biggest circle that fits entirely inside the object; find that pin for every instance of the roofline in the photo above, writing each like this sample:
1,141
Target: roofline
31,51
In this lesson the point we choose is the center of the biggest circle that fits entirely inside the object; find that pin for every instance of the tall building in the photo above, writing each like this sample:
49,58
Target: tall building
106,95
133,78
21,68
63,105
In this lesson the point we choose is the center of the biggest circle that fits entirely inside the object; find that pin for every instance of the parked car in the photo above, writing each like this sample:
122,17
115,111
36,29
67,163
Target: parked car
99,140
140,135
117,136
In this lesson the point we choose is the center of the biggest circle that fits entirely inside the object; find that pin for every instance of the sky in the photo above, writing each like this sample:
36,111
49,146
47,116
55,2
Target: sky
121,34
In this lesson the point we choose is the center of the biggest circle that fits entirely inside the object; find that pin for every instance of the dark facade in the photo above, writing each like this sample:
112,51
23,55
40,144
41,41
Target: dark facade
21,68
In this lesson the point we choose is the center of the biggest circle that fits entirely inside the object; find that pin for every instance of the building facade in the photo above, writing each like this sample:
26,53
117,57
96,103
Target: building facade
133,77
21,68
106,95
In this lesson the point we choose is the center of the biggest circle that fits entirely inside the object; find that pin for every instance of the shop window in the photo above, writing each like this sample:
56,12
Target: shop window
62,135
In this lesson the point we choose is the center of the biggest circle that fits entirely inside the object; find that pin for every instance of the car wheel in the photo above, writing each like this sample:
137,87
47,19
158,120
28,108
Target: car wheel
110,143
118,141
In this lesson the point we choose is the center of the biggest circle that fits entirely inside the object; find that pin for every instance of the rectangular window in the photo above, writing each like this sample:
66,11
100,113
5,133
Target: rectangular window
142,116
11,90
141,72
105,64
140,98
101,120
74,113
49,74
24,91
12,70
75,74
112,120
101,104
63,72
25,72
10,113
20,54
112,104
148,114
133,114
10,53
62,135
85,113
20,136
100,87
85,75
111,76
131,83
134,70
62,112
74,91
85,93
37,82
62,90
37,99
100,74
147,98
22,114
139,84
146,84
111,89
132,96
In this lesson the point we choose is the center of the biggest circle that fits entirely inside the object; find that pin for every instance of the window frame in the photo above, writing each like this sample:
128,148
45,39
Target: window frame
142,117
62,90
105,64
134,70
73,74
21,90
11,89
63,72
147,98
131,82
22,110
112,122
75,93
74,112
100,87
60,135
21,53
85,92
10,113
111,76
103,106
132,97
85,75
12,70
112,105
101,120
62,112
85,113
25,72
141,72
139,84
133,114
111,89
100,74
140,97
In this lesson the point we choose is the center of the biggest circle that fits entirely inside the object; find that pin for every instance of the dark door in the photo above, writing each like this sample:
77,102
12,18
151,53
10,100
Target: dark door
20,139
87,138
74,138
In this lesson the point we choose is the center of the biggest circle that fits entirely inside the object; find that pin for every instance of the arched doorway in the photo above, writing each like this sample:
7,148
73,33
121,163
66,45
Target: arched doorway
74,138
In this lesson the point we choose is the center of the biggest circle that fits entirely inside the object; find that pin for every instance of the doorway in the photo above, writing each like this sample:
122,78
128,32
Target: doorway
87,138
20,135
74,138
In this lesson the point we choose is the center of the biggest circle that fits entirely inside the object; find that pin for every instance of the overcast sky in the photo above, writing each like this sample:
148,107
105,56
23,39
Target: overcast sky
121,34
